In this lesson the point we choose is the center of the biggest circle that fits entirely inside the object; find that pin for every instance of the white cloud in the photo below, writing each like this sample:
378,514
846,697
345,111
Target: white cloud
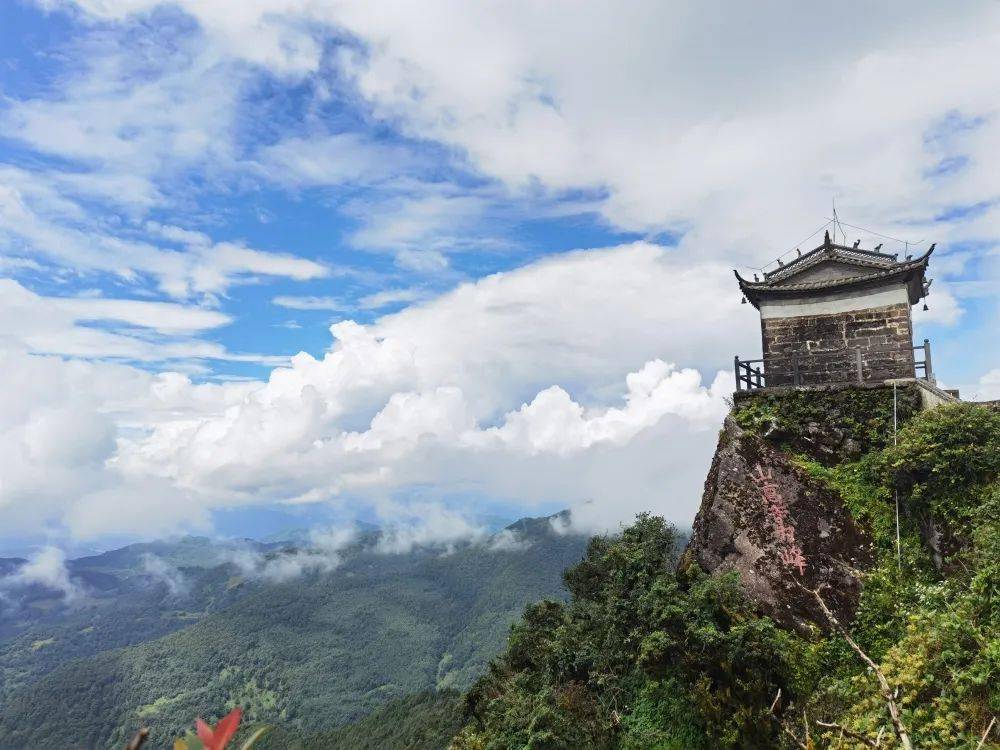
331,160
321,556
46,568
160,316
680,121
59,423
988,387
309,303
678,116
552,383
160,570
129,113
554,423
508,388
425,524
429,389
506,540
137,330
36,216
388,297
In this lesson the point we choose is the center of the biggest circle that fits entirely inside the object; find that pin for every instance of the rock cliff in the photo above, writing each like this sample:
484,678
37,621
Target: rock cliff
767,519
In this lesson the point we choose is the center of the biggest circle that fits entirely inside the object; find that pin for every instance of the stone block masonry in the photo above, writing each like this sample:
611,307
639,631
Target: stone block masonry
822,349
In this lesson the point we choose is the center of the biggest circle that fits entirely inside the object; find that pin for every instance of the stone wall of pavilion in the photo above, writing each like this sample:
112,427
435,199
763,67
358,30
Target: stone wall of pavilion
824,348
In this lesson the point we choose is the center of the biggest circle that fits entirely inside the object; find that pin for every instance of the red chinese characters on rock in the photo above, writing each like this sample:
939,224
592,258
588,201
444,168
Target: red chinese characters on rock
789,551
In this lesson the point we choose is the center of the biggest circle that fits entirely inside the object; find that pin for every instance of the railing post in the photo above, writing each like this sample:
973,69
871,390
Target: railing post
928,372
861,374
736,369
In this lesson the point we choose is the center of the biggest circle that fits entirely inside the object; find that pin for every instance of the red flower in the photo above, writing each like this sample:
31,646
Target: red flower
218,738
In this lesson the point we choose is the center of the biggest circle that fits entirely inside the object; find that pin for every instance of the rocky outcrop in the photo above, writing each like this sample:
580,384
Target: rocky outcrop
830,424
767,519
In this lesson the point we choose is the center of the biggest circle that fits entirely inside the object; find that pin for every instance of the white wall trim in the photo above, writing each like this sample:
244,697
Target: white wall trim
834,304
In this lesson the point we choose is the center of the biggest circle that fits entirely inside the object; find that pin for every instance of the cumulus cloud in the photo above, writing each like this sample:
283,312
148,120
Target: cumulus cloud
434,392
59,423
508,388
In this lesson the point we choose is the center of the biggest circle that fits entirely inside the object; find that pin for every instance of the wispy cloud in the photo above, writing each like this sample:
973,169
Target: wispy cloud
34,216
389,297
136,330
162,571
46,568
310,303
321,555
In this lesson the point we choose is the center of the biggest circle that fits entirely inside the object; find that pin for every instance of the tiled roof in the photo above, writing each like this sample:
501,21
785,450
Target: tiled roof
850,255
872,267
878,272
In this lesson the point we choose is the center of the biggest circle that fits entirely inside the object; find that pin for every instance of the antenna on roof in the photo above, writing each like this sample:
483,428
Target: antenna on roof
837,225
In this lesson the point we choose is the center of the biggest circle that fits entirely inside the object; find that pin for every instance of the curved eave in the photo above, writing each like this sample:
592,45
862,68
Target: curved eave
748,288
909,272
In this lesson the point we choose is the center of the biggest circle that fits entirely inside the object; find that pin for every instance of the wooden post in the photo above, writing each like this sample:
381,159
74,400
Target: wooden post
736,369
928,372
860,362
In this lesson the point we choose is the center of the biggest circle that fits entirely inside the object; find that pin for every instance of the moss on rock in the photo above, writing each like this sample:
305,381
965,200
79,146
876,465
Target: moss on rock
830,424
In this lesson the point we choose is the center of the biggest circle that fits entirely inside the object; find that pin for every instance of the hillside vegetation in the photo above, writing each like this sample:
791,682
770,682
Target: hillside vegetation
308,655
423,721
642,657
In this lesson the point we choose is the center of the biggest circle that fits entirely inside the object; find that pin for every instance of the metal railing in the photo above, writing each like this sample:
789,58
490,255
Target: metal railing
924,366
746,374
828,366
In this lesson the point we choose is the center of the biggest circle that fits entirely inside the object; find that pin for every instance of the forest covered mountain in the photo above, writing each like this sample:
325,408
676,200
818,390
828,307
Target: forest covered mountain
763,650
160,633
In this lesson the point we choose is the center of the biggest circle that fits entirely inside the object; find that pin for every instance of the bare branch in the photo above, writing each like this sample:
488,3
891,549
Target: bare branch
848,732
884,687
986,733
140,738
775,704
799,743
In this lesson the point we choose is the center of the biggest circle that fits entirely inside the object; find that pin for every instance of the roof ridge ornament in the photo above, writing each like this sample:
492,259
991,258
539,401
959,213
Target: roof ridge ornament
826,240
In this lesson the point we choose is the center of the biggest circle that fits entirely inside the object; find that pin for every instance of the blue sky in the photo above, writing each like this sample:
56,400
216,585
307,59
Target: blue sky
522,239
493,231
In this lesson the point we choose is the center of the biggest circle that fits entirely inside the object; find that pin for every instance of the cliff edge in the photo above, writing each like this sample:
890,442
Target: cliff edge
764,516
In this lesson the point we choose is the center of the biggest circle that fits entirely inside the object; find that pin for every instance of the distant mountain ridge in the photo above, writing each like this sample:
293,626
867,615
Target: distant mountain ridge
312,652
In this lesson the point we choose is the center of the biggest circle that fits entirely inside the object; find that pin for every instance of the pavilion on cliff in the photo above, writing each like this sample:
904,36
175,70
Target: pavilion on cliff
837,314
